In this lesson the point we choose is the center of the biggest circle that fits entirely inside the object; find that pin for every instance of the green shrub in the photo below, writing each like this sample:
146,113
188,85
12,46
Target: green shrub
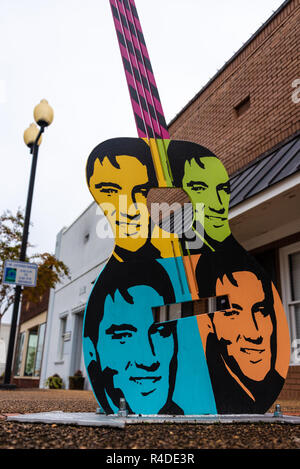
54,382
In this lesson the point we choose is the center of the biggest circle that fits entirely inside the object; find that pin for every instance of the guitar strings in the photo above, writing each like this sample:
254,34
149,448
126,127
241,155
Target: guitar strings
125,14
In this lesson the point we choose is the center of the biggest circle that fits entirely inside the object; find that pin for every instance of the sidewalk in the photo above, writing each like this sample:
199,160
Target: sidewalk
16,435
44,400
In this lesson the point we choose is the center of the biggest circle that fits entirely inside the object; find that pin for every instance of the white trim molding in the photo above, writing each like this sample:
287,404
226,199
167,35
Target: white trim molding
287,300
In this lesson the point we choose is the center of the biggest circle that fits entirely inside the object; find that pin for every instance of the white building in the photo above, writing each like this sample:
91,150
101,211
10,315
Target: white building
84,248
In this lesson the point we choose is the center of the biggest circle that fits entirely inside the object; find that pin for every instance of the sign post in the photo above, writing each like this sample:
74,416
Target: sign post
20,274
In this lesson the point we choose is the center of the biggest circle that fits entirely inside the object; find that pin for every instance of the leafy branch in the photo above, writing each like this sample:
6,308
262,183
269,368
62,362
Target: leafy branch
50,269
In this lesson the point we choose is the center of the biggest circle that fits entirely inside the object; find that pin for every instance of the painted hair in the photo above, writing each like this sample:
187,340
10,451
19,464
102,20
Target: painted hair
121,278
114,147
180,151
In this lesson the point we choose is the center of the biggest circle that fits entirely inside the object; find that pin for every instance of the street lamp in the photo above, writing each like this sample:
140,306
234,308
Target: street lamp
43,116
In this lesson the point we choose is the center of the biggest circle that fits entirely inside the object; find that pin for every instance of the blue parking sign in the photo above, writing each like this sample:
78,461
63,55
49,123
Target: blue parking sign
20,273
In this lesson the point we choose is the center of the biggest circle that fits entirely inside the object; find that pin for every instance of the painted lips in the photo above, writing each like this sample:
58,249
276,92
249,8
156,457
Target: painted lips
131,229
254,353
218,222
215,217
146,382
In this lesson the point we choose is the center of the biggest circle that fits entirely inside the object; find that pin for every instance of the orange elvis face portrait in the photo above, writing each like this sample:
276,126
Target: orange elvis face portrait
121,193
246,328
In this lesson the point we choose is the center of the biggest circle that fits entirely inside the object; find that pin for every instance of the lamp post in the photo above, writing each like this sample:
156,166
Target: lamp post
43,115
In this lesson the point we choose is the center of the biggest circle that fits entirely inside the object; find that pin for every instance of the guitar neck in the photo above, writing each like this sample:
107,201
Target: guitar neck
147,108
145,100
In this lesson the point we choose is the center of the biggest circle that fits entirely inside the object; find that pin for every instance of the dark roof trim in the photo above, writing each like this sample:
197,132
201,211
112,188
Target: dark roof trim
265,154
272,167
263,26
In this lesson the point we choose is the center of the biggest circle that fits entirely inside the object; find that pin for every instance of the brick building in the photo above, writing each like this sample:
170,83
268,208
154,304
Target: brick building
30,343
247,107
248,114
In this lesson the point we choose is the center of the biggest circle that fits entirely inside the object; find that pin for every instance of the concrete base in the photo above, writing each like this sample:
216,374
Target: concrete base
98,420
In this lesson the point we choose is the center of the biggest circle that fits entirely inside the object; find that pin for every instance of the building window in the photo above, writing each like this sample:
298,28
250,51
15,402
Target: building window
19,354
294,303
31,351
39,350
34,351
61,343
242,107
290,262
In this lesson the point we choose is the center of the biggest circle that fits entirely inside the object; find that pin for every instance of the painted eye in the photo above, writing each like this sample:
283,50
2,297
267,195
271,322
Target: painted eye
121,335
198,188
163,330
232,312
143,191
226,188
264,311
108,191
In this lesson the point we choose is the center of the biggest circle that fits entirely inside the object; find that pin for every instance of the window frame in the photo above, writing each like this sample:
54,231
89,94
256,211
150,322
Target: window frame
19,353
61,340
288,302
40,343
30,332
41,327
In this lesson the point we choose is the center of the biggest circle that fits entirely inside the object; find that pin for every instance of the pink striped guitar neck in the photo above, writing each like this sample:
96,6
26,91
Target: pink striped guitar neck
146,105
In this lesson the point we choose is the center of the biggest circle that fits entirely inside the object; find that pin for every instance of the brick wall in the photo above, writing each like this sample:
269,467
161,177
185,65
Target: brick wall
247,109
264,71
26,382
291,388
29,309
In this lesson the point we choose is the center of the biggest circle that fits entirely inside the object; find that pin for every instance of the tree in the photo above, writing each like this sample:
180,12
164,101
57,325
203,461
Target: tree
50,270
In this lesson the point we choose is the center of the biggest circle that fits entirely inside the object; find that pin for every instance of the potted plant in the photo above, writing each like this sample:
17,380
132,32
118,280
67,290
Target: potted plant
76,381
54,382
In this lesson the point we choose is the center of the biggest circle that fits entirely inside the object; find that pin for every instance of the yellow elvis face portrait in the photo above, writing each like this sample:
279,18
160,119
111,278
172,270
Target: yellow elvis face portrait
120,172
121,192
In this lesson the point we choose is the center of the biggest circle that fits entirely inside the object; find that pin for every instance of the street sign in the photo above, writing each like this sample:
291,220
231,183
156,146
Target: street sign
20,273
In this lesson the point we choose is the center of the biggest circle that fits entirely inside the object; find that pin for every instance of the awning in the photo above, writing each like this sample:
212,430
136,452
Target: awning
265,171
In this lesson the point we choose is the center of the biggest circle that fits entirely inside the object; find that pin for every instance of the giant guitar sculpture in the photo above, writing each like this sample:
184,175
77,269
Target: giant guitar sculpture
167,204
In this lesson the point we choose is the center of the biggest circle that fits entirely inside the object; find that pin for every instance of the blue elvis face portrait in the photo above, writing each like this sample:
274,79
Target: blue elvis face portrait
159,368
137,353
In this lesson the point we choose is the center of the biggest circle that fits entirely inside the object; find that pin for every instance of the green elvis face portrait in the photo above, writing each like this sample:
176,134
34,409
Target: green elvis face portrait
209,190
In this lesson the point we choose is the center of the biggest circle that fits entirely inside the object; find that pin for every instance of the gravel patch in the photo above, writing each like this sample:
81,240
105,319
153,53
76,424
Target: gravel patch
15,435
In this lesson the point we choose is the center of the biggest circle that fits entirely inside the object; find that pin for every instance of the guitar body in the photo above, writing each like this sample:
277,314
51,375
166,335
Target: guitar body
167,204
233,360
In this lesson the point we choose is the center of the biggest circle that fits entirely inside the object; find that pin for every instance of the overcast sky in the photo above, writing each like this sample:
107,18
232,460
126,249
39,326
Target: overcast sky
66,51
